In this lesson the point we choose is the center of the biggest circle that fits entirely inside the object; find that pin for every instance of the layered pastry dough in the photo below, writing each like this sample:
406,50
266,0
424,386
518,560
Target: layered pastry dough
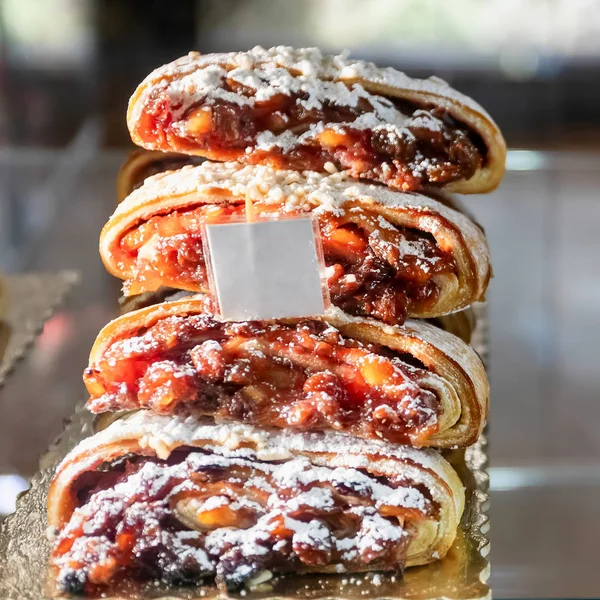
388,254
141,164
163,497
300,109
414,384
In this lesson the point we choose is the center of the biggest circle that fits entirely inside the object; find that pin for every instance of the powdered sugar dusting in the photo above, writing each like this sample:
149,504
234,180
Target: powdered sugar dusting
168,432
258,81
261,81
268,69
295,519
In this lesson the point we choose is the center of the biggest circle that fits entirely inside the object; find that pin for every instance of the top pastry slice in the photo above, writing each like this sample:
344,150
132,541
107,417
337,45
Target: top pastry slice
299,109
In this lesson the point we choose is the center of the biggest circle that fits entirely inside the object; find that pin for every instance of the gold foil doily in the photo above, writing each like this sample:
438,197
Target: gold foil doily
26,303
461,575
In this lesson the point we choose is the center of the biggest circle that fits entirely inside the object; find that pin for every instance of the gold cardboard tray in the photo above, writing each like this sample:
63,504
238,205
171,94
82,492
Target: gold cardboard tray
461,575
27,302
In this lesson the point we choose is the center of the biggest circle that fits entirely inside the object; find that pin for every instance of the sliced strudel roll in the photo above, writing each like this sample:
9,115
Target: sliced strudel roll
154,497
388,254
141,164
414,384
299,109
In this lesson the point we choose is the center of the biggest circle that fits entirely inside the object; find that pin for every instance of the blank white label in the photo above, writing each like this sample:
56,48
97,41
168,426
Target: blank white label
265,269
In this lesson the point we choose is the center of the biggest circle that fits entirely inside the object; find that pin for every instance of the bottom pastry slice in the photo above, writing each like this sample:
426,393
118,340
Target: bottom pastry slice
173,499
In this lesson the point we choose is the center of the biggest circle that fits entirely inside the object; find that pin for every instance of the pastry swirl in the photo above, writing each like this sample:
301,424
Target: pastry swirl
300,109
414,384
184,501
388,254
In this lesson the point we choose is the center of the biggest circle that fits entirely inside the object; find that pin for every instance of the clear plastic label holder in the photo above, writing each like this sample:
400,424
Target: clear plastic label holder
265,268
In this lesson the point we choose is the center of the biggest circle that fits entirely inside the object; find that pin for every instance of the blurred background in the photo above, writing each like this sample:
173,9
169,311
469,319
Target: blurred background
67,69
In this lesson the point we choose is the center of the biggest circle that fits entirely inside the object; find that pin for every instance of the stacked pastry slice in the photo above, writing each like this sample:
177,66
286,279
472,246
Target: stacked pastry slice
243,449
389,254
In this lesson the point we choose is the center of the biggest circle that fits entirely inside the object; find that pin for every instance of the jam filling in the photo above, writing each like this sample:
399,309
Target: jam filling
305,376
374,268
291,130
199,516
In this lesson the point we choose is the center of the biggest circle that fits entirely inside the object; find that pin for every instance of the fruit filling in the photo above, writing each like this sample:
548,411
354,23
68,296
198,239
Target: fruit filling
373,267
273,117
201,515
304,375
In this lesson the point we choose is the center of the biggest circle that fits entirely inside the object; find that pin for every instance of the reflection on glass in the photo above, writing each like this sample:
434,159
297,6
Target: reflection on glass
48,34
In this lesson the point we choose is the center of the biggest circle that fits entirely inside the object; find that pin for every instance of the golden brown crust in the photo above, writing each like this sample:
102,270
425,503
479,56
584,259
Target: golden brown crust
152,435
432,92
459,378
